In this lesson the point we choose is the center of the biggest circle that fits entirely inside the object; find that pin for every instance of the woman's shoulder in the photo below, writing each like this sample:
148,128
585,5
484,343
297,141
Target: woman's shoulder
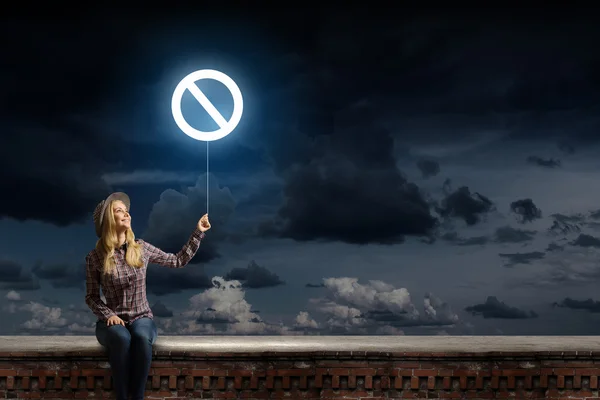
95,255
92,253
142,245
93,258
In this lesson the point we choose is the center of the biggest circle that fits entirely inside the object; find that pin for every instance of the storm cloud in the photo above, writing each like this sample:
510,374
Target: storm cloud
494,308
351,190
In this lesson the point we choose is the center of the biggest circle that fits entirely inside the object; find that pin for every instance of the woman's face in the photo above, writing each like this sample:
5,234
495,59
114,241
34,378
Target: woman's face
122,217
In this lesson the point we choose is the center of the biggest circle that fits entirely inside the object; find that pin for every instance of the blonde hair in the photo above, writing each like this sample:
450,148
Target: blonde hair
109,241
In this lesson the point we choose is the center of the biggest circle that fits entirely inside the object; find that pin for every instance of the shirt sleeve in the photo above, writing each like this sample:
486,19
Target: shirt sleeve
92,297
179,260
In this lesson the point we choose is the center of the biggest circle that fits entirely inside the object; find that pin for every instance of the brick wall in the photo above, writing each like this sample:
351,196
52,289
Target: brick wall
67,373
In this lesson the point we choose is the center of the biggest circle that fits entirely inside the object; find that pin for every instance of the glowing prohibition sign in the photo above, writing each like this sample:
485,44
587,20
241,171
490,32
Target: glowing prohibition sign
189,83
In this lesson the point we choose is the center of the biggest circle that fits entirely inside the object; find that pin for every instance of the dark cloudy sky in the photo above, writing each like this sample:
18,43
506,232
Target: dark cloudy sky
394,172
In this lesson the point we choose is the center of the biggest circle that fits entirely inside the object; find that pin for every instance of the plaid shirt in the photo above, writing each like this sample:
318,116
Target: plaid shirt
125,289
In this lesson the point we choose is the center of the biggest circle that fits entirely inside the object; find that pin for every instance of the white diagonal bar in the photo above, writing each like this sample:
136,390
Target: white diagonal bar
208,106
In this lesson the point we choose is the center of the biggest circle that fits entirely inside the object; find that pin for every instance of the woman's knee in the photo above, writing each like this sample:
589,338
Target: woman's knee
118,336
144,331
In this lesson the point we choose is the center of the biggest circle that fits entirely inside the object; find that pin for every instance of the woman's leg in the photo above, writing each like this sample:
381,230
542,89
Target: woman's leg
143,335
117,340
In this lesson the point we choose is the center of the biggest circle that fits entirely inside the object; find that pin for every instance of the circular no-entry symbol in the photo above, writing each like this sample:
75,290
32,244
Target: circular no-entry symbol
189,83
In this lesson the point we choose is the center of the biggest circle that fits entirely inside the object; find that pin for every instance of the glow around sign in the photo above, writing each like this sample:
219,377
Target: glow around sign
189,83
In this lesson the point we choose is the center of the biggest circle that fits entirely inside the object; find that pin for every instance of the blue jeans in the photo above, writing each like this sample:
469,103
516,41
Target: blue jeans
129,351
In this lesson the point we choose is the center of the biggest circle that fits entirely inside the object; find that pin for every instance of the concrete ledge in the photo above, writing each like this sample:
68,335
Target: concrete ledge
313,367
321,344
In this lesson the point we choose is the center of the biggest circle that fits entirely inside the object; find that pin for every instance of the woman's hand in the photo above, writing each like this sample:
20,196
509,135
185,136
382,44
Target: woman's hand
114,320
203,224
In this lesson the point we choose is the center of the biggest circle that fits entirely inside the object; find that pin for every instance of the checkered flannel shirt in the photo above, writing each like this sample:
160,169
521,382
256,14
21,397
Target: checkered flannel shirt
125,289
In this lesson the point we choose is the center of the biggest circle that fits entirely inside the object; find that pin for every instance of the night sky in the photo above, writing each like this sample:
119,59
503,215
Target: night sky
395,171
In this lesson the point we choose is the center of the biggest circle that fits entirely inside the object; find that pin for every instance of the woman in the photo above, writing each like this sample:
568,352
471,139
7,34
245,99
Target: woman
125,325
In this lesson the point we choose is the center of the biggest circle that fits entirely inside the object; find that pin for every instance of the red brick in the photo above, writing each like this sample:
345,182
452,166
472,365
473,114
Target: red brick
479,382
254,382
166,371
8,372
165,364
511,382
270,382
465,372
237,382
495,382
319,381
521,372
221,383
431,382
246,372
58,395
155,382
564,371
189,382
587,371
196,372
425,372
403,372
304,381
159,395
335,381
25,383
361,372
446,383
568,364
414,382
274,375
31,395
290,372
172,382
398,383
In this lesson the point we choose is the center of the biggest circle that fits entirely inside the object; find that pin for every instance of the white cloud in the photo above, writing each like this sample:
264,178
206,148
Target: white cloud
43,318
377,307
77,329
13,296
304,320
351,307
377,295
224,304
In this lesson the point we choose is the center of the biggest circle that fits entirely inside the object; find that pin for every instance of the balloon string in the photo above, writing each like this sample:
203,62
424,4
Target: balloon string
207,176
